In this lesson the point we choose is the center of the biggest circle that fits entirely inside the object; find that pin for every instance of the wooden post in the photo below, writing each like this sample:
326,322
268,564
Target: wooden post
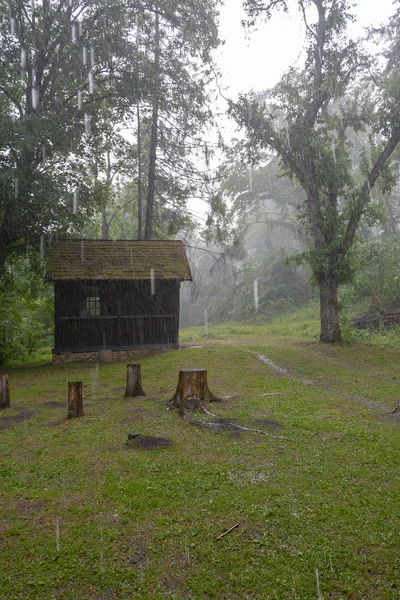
104,356
4,391
192,390
75,405
133,382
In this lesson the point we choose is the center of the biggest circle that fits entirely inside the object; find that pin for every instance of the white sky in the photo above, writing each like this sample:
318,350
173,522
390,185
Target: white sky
259,61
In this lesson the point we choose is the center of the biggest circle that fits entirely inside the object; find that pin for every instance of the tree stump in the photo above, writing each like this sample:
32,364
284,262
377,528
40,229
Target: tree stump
75,404
133,382
192,390
4,391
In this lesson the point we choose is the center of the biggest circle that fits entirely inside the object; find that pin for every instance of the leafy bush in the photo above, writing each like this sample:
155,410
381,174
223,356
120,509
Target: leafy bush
26,309
377,271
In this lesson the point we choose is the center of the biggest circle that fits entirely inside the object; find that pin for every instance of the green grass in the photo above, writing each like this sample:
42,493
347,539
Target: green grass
85,516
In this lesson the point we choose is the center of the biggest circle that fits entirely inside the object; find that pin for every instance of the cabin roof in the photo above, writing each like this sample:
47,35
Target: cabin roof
120,259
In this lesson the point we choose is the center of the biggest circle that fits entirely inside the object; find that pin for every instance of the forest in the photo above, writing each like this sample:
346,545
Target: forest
110,128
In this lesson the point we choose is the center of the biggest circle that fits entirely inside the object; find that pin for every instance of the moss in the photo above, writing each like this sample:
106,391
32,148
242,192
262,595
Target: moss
104,259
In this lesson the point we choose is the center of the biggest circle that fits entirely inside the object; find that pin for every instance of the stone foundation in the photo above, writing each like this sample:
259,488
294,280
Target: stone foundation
95,357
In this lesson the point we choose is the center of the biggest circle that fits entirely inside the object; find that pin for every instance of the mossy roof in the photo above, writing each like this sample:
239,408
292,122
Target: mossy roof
105,259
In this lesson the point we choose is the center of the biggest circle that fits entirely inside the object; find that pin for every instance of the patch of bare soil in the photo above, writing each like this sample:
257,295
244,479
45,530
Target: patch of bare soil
147,442
9,420
218,425
281,370
331,435
268,423
227,425
23,506
139,555
54,404
364,400
393,416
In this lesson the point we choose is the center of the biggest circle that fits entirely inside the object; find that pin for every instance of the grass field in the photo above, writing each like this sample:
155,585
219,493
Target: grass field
84,514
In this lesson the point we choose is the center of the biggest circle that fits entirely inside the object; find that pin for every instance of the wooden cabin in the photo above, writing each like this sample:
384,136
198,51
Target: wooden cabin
116,295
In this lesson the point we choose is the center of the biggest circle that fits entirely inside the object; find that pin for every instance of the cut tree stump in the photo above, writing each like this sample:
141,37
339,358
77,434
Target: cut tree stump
133,382
192,390
75,403
4,391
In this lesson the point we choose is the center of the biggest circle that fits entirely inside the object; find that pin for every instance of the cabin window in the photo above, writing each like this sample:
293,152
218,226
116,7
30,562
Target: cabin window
92,307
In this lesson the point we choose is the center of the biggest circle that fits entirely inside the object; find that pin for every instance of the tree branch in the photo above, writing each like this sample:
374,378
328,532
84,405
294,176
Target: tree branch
364,191
320,96
13,100
309,29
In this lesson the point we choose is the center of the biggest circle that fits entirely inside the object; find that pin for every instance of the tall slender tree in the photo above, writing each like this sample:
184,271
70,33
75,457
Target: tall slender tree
176,66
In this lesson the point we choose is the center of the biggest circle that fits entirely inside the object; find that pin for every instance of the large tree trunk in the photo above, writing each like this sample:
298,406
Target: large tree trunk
329,308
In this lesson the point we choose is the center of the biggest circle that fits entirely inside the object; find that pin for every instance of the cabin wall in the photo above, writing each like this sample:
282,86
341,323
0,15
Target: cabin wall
122,315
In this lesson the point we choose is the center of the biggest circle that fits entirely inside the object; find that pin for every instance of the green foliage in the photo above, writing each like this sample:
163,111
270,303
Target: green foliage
46,106
281,287
26,309
377,273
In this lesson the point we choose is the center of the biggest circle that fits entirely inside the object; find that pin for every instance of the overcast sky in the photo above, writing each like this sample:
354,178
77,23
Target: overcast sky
259,61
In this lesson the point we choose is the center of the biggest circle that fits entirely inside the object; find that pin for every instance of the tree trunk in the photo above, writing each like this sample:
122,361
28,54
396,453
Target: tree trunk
105,227
4,251
75,404
139,135
133,382
329,308
139,179
192,390
4,391
148,226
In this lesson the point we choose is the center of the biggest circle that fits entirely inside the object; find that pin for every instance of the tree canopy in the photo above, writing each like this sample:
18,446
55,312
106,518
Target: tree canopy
70,72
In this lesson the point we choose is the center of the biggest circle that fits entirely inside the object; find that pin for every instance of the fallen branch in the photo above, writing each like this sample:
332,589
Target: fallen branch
234,426
392,412
226,532
225,425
